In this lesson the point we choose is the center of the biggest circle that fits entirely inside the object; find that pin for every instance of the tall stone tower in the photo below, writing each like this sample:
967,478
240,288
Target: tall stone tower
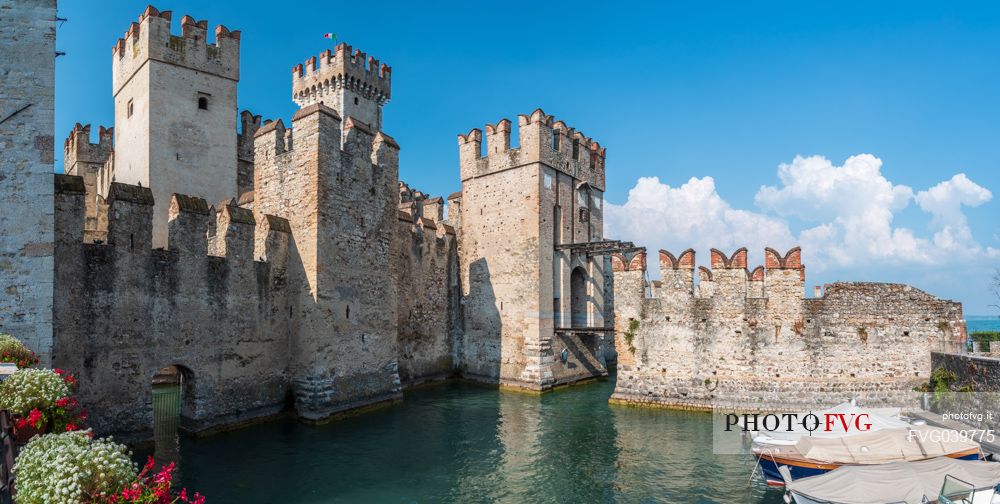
27,100
345,82
335,178
88,160
175,111
530,246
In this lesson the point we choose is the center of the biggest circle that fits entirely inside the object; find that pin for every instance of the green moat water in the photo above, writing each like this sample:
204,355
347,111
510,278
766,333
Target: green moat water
458,442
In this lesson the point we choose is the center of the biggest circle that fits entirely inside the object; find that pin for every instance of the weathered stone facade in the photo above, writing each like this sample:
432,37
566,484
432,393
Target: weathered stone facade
751,339
124,310
27,100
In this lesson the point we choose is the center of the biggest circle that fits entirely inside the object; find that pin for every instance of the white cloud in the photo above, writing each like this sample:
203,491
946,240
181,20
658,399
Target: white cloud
692,215
844,214
944,202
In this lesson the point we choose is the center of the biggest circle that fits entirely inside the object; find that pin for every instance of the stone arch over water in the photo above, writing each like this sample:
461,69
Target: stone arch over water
171,404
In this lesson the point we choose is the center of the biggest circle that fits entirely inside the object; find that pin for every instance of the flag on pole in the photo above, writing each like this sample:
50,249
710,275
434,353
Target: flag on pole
331,36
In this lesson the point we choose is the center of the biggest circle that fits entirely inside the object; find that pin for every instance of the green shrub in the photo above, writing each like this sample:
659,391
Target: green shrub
13,351
71,468
984,338
633,327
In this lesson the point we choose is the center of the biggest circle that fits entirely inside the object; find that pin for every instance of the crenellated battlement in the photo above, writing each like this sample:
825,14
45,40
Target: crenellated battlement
415,204
728,275
317,125
319,77
541,139
150,38
738,260
78,147
249,125
194,227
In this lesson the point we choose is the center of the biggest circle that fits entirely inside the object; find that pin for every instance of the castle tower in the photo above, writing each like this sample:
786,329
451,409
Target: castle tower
175,111
335,178
345,82
533,290
86,159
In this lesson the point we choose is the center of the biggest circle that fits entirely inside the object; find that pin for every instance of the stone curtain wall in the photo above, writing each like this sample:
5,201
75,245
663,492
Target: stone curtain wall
751,340
124,310
426,268
27,91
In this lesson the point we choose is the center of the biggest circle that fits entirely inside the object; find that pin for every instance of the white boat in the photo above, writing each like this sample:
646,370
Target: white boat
940,480
811,456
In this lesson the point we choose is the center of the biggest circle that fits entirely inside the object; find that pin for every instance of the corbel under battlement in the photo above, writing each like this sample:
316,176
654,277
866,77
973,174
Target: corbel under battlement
340,68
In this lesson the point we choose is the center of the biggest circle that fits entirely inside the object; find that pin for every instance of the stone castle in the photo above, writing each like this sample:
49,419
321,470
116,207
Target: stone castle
286,267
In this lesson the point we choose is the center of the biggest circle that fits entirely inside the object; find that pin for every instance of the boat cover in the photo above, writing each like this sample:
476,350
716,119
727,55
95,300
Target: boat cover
905,482
879,418
916,442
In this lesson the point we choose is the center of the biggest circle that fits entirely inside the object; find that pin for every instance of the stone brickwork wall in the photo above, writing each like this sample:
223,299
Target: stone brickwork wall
751,339
27,99
426,268
124,310
339,191
980,372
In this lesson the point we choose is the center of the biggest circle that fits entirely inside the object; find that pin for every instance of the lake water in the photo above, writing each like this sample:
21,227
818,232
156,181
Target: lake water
459,442
975,323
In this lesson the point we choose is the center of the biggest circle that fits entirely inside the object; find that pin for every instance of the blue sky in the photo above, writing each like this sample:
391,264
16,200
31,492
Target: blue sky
881,101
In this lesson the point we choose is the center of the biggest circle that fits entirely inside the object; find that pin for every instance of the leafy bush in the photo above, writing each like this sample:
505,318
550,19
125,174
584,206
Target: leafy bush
13,351
984,338
71,468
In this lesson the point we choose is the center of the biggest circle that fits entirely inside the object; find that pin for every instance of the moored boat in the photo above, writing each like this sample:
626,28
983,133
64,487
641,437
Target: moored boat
812,456
942,480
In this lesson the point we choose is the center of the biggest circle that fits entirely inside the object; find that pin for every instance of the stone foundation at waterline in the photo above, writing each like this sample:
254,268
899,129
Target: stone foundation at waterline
752,340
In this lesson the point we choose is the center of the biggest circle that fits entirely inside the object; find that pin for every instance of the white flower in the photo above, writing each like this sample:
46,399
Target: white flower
58,468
